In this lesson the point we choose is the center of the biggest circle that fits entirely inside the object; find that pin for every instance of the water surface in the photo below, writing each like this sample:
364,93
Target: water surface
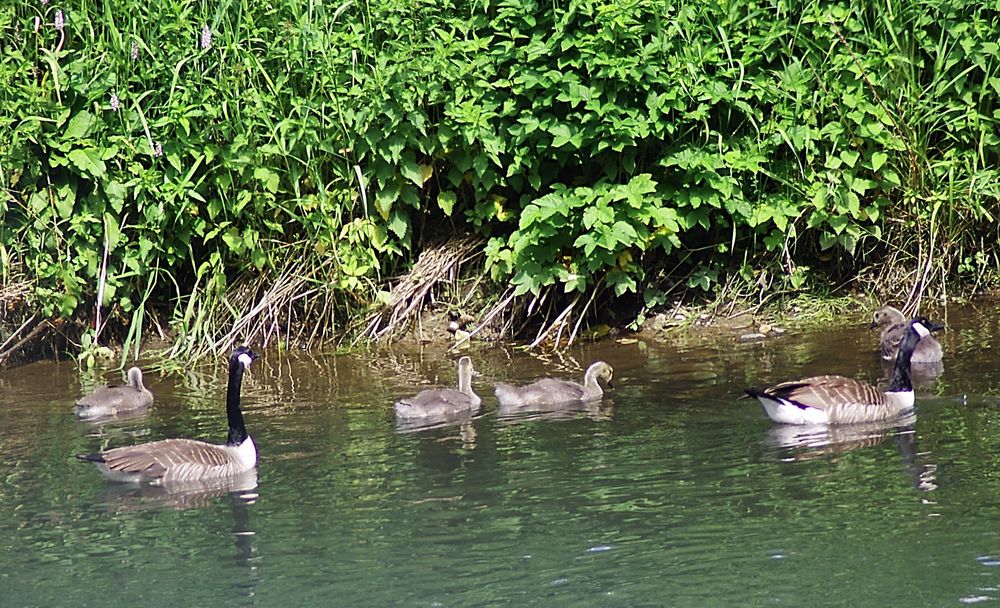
671,491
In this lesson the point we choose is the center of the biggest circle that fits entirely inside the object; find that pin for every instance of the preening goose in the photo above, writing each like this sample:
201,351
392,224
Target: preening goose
549,391
893,324
113,400
184,460
840,400
439,403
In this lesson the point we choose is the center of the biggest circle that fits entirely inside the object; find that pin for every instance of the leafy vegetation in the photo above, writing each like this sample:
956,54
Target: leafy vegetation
200,167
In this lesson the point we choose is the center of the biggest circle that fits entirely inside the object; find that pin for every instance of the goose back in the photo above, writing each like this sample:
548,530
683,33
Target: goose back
177,460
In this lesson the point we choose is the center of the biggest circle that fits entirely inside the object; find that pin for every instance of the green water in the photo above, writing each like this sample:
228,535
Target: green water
672,493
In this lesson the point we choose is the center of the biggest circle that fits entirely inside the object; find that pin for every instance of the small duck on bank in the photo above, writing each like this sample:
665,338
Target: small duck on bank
116,400
893,325
442,402
549,391
839,400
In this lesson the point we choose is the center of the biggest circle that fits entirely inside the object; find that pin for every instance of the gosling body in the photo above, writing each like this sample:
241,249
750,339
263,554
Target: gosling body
549,391
442,402
115,400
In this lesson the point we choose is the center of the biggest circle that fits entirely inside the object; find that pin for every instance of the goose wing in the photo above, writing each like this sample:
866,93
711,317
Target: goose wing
157,459
826,392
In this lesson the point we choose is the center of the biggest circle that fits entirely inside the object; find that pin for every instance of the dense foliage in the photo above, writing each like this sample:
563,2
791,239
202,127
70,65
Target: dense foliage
151,151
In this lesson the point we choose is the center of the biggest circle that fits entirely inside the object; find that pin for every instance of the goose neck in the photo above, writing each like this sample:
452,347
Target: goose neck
237,428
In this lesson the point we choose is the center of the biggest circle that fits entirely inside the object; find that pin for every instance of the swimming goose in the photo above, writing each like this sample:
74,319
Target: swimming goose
893,324
549,391
184,460
840,400
112,400
435,403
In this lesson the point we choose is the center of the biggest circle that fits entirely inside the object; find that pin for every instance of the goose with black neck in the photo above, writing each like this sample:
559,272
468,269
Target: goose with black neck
839,400
181,460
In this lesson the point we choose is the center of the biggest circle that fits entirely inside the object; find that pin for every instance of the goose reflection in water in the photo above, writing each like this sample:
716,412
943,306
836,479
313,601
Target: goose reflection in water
194,494
594,410
466,429
813,441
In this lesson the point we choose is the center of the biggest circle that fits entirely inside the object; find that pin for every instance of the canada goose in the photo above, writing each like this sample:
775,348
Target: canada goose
442,402
549,391
893,324
112,400
185,460
840,400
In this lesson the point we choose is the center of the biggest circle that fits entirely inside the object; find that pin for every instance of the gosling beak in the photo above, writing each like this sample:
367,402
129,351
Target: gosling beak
874,325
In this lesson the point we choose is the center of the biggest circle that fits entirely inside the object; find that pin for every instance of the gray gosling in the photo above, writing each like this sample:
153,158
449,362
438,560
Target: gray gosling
840,400
549,391
185,460
112,400
441,402
893,324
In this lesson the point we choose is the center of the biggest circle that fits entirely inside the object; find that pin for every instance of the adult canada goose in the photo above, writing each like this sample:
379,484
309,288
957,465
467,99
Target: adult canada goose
184,460
840,400
893,324
442,402
548,391
113,400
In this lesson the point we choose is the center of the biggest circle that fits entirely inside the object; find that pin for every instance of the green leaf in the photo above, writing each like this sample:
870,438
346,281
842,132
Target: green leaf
446,201
850,157
268,179
79,126
878,159
399,224
410,169
111,231
234,240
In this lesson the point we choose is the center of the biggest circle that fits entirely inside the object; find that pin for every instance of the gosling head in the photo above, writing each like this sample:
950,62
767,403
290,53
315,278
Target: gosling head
135,377
886,316
600,370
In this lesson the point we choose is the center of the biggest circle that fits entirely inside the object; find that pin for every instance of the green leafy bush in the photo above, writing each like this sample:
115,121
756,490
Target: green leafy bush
596,144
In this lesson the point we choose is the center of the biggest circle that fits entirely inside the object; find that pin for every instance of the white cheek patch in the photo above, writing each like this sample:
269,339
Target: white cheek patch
246,359
923,331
